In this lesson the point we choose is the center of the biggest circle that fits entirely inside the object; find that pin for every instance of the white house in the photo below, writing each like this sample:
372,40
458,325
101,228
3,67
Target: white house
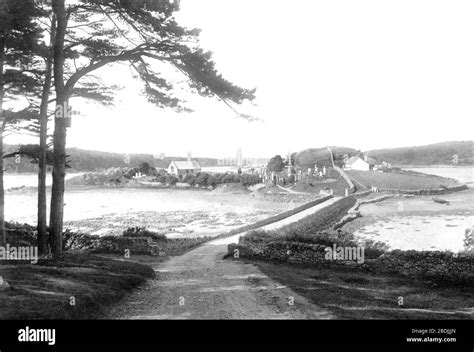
357,163
177,168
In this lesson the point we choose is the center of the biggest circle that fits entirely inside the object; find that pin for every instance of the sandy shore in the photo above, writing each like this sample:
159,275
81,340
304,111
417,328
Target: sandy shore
173,224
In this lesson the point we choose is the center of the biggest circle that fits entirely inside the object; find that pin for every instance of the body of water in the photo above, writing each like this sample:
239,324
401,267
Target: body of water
88,203
28,180
464,174
421,233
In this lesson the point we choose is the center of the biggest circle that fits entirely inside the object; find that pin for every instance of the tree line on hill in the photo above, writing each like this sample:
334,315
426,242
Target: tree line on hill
80,160
445,153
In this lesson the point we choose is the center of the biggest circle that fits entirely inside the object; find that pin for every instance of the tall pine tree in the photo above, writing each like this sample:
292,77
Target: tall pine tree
18,35
141,32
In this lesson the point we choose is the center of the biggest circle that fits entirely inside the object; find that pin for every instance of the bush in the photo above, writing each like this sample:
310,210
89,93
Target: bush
228,178
143,232
212,181
250,180
20,234
77,241
161,179
130,173
326,238
171,180
257,236
202,178
190,179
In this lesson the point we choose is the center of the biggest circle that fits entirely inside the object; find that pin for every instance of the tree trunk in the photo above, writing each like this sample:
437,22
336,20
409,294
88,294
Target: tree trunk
59,166
2,195
2,124
42,164
57,191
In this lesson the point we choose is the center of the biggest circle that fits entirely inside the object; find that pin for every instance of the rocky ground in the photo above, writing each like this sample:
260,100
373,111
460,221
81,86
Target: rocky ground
173,224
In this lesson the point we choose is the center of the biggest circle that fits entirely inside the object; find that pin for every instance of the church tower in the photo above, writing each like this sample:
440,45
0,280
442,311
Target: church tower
239,159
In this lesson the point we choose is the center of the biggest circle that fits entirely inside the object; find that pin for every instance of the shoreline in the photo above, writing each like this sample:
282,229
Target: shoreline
434,166
416,222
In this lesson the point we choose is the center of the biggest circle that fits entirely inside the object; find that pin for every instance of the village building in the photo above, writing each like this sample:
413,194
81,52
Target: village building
181,168
362,164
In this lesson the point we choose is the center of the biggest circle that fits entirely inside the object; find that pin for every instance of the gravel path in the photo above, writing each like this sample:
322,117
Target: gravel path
202,285
290,190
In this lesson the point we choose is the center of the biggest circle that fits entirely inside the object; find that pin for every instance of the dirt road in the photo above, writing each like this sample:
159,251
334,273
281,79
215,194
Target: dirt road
202,285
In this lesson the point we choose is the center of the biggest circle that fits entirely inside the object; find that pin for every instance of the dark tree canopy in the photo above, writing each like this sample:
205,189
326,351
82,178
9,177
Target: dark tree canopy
276,164
143,33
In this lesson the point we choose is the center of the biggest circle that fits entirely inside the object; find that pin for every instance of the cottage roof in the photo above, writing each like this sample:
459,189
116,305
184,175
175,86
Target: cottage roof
352,160
186,165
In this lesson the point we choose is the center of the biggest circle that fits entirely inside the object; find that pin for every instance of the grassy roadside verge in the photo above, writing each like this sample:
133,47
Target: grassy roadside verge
357,295
48,289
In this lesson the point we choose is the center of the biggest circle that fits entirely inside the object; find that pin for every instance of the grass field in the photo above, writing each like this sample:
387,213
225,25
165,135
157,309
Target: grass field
78,286
339,186
350,295
307,230
405,181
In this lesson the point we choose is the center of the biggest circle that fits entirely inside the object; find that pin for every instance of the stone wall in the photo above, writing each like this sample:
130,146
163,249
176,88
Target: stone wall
435,266
346,178
426,191
354,212
362,194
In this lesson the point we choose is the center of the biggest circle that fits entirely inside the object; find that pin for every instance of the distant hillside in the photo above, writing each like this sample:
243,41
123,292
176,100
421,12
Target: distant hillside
89,160
433,154
320,156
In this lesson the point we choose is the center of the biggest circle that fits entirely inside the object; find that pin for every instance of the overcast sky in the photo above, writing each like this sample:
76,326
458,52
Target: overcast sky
362,74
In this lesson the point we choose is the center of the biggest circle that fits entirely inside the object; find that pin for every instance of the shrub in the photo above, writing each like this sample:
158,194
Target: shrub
130,173
258,236
20,234
250,180
171,180
212,181
143,232
77,241
228,178
161,179
190,179
202,178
